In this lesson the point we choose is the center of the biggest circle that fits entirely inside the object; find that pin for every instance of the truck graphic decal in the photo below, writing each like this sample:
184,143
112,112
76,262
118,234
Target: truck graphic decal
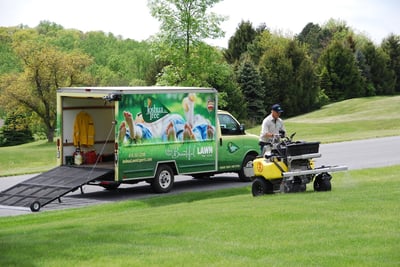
166,118
179,127
153,110
232,148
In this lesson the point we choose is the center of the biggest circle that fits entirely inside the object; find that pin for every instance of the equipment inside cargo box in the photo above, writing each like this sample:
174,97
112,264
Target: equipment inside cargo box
87,130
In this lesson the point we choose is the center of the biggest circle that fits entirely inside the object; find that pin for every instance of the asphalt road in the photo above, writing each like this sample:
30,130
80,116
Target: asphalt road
370,153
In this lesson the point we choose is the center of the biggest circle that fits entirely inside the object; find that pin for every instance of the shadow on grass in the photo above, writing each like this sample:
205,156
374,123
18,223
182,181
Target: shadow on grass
189,197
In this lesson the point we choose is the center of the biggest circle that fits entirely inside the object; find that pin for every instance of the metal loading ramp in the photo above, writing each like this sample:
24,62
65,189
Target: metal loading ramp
40,190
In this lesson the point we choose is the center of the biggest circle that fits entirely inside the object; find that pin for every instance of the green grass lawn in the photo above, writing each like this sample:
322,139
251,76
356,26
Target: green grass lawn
28,158
356,224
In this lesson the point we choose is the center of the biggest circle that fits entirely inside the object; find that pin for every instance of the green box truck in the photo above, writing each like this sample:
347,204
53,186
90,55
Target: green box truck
110,136
150,134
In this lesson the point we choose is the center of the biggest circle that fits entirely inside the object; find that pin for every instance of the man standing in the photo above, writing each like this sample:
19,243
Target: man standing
271,126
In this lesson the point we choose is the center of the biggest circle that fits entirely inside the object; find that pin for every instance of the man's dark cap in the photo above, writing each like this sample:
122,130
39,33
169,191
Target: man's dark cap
277,108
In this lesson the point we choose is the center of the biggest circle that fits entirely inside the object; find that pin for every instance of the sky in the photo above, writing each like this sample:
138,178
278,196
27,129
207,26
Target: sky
132,19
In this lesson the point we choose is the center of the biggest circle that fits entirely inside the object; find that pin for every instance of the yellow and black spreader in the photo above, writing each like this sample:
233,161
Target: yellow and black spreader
288,166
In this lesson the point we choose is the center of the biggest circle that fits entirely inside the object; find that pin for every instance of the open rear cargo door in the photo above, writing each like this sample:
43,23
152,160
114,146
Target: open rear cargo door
40,190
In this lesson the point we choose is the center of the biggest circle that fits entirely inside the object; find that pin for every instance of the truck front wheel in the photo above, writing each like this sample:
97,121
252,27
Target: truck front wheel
164,179
242,174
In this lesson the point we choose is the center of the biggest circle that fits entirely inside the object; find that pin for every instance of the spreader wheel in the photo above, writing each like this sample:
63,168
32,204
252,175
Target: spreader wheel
261,186
323,182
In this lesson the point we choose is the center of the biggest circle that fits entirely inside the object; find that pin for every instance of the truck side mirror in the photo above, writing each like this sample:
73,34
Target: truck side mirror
242,128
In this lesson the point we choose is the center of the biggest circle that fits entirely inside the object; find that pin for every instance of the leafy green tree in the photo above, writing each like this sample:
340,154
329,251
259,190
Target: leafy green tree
97,45
123,62
48,28
185,23
9,61
117,62
185,59
45,69
250,82
335,30
207,68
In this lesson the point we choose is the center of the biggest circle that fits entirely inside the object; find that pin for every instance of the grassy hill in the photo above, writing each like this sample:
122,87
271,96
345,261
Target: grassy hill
27,158
352,119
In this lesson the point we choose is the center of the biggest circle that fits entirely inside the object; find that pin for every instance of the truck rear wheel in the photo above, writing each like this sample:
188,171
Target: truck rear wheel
323,182
261,186
242,174
164,179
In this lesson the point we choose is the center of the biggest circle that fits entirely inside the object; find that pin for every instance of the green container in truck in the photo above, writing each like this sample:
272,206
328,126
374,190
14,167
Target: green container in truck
150,134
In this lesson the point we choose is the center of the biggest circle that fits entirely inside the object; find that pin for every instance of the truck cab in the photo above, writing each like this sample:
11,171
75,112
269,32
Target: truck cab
236,147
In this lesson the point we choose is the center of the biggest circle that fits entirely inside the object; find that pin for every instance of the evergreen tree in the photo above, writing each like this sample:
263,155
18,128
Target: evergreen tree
251,84
380,78
237,44
15,130
287,73
391,46
312,36
342,71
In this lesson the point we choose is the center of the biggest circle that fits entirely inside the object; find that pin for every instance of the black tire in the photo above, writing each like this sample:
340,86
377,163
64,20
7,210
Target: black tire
323,182
35,206
261,186
242,175
164,179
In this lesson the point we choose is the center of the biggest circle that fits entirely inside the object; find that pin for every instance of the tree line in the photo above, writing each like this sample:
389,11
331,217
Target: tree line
259,67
